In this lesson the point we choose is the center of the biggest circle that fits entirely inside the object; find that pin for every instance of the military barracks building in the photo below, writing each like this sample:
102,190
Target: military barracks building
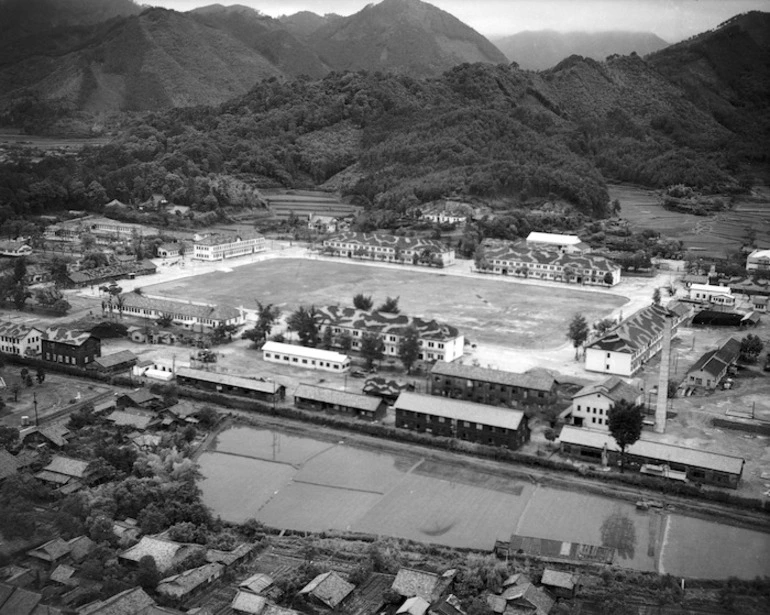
390,248
491,386
78,348
453,418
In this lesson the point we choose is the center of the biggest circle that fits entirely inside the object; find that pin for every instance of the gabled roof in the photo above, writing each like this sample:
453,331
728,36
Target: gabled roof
67,466
538,380
186,309
130,602
229,557
16,330
341,398
385,240
70,337
329,587
715,362
116,358
636,332
448,606
121,418
311,353
530,254
216,239
428,585
140,396
614,388
51,550
246,602
80,547
527,594
181,584
559,578
262,386
166,553
62,574
20,602
256,583
414,606
460,410
385,323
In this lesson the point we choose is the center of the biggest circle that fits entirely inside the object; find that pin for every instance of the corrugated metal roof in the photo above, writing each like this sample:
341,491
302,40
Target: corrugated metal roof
341,398
657,451
229,380
537,380
460,410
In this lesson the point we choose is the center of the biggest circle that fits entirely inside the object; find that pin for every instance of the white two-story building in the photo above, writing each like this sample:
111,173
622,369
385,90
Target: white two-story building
19,339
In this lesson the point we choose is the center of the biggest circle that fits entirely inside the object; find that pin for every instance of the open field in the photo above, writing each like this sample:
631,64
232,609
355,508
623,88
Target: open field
461,505
713,235
492,311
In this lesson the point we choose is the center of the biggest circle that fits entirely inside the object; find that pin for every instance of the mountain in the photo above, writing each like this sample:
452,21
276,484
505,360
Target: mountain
401,36
304,23
22,18
545,48
266,36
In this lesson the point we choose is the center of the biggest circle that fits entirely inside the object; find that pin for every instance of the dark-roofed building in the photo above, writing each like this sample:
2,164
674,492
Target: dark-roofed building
525,598
264,390
438,341
56,435
185,313
591,404
140,398
240,554
429,586
136,419
19,339
133,601
464,420
635,341
51,551
328,588
190,582
76,348
114,363
491,386
655,458
17,601
390,248
313,397
110,273
553,550
713,366
529,261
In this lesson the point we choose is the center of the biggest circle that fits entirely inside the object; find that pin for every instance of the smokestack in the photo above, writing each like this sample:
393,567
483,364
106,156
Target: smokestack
665,365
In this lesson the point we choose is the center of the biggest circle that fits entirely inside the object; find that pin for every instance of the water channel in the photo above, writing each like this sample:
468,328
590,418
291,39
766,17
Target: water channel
293,482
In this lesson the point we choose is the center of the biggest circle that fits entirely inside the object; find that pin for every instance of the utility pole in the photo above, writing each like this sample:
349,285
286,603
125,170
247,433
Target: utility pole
34,399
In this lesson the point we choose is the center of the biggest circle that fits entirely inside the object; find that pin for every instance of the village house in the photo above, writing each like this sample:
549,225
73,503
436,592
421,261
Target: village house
560,583
567,244
170,250
19,339
53,434
438,341
759,303
491,386
322,224
166,553
139,420
115,363
264,390
429,586
312,397
307,358
525,261
191,582
63,470
217,247
654,458
452,418
591,404
523,596
12,247
446,212
78,348
715,295
20,601
390,249
712,367
635,341
185,313
139,398
328,589
758,261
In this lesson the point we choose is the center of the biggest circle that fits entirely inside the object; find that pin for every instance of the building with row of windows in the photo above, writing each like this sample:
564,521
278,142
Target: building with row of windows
264,390
219,246
464,420
70,347
758,260
634,341
526,261
311,397
390,249
184,313
19,339
438,341
708,293
492,386
306,358
570,244
591,404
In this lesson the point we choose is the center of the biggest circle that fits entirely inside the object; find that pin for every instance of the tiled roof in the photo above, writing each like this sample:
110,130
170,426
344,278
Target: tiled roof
20,602
121,418
228,557
53,477
427,585
257,583
140,396
385,323
130,602
553,238
67,466
80,547
70,337
52,550
613,388
229,380
183,583
116,358
62,574
8,464
384,240
536,380
183,308
333,396
246,602
530,595
657,451
460,410
112,271
715,362
15,330
636,332
329,587
166,553
538,256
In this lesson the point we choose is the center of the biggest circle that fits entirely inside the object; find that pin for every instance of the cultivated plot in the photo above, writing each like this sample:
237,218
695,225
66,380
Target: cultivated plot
245,484
268,445
494,311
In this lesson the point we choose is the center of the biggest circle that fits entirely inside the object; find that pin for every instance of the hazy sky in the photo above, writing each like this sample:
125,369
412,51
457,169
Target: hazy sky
672,20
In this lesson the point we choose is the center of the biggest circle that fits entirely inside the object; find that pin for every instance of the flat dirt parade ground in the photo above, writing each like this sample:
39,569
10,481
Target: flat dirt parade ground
485,310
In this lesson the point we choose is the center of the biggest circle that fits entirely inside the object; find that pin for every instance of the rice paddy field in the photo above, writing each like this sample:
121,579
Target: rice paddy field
718,235
494,311
300,483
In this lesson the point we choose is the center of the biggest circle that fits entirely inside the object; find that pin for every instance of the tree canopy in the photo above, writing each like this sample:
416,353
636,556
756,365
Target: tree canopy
625,421
578,332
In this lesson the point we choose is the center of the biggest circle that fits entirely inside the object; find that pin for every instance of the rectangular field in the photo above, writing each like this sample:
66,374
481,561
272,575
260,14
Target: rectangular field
498,311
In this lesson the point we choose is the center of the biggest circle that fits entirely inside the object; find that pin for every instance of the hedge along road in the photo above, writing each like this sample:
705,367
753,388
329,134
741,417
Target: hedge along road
295,482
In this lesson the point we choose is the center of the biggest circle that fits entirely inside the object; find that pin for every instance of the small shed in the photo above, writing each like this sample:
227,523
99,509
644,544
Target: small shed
328,588
560,583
